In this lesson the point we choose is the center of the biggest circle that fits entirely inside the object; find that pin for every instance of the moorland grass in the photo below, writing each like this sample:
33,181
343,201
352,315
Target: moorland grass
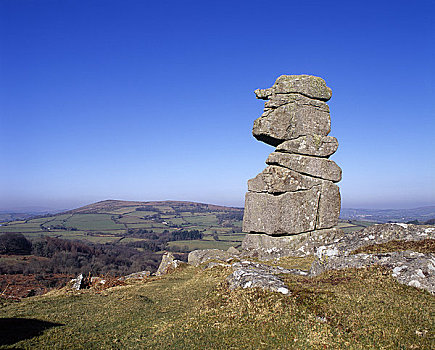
194,309
423,246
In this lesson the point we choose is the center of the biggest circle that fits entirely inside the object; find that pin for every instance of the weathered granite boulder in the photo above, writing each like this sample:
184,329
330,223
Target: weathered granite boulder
233,251
78,282
308,85
329,206
313,166
287,213
141,275
276,179
167,264
198,257
290,121
314,145
249,274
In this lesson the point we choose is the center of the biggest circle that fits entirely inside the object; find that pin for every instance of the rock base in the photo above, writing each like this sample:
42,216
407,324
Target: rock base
267,247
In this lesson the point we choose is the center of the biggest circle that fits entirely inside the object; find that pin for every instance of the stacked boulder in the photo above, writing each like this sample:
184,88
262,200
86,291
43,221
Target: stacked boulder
296,193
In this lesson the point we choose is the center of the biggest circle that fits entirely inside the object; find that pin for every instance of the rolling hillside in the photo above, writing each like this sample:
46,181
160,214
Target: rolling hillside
122,222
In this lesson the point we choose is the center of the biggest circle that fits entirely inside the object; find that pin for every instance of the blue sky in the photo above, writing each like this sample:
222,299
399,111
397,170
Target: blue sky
142,100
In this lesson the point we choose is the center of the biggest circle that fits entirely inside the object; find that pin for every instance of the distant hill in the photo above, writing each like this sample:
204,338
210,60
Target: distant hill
112,205
157,225
421,214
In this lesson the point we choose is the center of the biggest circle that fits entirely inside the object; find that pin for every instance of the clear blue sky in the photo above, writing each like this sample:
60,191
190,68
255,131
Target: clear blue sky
153,100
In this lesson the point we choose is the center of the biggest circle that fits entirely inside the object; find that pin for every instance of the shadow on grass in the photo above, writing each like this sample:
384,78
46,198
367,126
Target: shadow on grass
13,330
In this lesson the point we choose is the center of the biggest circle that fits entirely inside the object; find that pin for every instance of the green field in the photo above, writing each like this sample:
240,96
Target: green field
100,223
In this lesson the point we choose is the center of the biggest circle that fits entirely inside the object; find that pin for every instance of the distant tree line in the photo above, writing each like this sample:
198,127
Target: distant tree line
231,216
73,257
157,242
427,222
15,243
148,208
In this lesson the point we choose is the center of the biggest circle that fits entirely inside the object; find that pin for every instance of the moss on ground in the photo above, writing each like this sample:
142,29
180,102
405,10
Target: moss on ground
423,246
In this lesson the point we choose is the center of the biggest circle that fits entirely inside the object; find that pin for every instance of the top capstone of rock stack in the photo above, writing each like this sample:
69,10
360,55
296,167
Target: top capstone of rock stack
308,85
295,106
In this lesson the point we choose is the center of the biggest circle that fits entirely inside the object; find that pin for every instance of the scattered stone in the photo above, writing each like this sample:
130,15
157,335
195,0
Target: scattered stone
214,264
314,145
77,283
333,249
198,257
314,166
168,263
97,280
254,275
136,276
233,251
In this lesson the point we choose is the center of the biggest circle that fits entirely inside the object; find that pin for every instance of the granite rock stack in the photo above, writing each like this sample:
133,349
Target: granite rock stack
296,193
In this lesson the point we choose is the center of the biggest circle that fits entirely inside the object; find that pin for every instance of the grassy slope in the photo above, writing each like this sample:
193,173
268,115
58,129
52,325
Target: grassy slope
193,309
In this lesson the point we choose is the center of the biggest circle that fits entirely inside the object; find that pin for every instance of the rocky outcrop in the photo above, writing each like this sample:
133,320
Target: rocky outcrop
407,267
167,264
296,193
266,247
331,242
141,275
198,257
78,282
249,274
333,250
346,244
